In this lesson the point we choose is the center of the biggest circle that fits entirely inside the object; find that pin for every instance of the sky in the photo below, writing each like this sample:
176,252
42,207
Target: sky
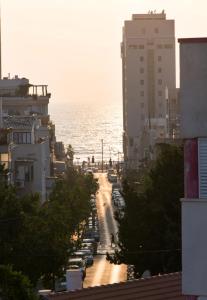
74,45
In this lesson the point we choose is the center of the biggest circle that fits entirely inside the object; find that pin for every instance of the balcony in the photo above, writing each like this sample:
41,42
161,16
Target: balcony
3,136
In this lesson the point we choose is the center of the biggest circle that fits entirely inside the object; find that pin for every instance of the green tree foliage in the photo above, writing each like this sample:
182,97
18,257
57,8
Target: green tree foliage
73,192
149,232
35,238
14,285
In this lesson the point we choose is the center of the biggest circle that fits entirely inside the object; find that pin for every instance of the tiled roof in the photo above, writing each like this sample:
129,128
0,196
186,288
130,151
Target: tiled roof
164,287
17,122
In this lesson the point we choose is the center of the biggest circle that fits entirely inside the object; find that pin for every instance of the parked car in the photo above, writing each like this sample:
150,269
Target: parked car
78,263
88,256
61,284
92,233
112,178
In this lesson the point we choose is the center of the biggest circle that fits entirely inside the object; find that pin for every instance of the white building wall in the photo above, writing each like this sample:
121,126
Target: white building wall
38,154
194,247
193,95
193,91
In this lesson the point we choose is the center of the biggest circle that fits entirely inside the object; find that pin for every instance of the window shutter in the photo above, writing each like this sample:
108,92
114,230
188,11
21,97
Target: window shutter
202,167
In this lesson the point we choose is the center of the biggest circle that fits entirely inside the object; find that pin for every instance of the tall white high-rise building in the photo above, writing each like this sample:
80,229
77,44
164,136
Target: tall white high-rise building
149,87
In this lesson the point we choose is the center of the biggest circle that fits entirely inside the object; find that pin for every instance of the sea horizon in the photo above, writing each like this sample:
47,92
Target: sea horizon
85,125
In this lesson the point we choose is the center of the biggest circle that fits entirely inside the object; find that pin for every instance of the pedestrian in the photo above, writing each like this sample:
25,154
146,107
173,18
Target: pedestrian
112,239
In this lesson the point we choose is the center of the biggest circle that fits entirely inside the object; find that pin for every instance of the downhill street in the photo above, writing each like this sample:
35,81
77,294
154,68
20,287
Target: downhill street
102,272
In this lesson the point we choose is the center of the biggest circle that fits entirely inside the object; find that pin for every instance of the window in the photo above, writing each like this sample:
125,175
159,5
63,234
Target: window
142,82
159,70
159,81
141,46
159,93
141,58
25,172
150,43
22,137
32,173
131,142
159,58
142,104
168,46
141,70
143,30
156,30
159,46
132,46
142,93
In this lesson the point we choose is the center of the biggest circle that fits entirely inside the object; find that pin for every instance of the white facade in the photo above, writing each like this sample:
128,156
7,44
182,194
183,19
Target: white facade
193,93
25,139
30,168
148,67
28,154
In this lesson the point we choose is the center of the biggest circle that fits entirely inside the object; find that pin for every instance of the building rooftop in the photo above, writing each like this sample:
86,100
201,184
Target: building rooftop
164,287
151,15
193,40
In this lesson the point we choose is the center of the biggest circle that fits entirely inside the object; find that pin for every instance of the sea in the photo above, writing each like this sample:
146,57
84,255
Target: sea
90,129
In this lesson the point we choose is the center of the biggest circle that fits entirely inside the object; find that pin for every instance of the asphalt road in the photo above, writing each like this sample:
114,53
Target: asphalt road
102,272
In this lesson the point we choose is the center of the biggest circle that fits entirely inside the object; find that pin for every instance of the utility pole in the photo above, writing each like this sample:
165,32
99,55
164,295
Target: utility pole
118,164
102,154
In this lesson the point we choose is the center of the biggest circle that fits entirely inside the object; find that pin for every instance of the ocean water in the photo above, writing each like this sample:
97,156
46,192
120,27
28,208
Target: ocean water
85,125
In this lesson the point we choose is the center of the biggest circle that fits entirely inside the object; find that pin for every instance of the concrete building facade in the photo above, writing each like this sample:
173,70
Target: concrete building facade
193,93
149,87
26,154
19,97
27,137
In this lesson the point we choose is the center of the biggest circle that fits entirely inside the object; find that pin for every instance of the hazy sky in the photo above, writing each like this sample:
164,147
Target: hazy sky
74,45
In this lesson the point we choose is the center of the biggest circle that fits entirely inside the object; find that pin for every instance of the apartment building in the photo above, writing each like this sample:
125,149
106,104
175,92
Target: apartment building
27,138
149,86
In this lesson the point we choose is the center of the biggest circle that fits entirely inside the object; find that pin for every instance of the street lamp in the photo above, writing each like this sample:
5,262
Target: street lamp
118,163
102,154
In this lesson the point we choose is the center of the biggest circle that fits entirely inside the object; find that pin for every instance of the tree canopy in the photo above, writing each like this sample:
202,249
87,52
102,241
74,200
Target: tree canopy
37,239
15,286
150,231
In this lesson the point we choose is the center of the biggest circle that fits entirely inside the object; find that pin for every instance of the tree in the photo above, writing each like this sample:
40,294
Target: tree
36,239
15,286
70,155
149,232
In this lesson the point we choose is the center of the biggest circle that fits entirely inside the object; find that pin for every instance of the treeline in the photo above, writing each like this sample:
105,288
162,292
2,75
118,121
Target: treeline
150,231
37,239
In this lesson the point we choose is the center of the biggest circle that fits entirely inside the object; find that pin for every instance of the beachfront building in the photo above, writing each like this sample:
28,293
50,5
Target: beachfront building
27,137
26,154
149,87
19,97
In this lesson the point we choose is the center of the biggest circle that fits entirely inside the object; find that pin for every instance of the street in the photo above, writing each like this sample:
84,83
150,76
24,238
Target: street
102,272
